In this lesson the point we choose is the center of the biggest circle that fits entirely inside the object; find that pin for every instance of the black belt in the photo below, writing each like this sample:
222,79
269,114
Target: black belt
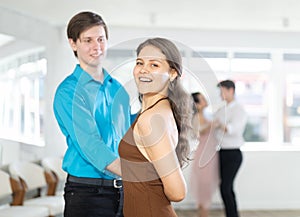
116,183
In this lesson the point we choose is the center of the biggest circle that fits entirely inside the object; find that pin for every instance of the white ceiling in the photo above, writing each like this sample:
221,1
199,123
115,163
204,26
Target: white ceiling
262,15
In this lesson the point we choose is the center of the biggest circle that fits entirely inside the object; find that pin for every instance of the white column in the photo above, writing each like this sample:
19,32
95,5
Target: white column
277,80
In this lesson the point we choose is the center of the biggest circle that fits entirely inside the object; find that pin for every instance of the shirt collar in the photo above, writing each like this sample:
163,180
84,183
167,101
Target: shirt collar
84,77
231,104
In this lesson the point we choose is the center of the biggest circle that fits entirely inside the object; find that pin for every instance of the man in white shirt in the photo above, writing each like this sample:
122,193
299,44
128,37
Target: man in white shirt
230,121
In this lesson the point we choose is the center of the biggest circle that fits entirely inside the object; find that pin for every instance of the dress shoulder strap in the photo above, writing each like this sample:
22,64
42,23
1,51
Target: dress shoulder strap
153,104
150,107
147,110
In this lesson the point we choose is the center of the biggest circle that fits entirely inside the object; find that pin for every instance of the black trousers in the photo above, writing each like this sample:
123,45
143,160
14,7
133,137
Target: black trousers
230,162
83,200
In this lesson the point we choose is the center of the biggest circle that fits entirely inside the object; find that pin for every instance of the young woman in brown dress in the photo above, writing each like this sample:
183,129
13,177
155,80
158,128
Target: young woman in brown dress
156,146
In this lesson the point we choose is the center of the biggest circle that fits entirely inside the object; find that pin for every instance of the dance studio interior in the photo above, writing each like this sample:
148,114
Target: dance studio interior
254,43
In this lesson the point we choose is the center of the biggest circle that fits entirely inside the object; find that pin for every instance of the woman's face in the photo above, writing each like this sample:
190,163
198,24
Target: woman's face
202,102
152,72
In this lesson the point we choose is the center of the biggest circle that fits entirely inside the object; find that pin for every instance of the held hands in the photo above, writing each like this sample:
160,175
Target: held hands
218,125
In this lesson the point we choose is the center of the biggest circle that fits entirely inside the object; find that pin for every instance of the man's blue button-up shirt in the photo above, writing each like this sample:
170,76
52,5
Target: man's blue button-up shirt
94,117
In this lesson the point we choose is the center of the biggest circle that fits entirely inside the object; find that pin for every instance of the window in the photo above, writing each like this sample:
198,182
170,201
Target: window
292,99
251,91
250,71
21,98
261,81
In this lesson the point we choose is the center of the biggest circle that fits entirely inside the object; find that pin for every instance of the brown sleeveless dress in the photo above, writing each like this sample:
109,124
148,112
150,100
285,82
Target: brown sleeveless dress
143,189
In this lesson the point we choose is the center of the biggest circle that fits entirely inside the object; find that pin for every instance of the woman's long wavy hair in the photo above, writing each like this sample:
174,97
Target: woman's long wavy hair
180,101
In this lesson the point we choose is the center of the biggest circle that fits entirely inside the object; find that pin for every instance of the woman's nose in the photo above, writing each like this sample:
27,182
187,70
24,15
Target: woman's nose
144,69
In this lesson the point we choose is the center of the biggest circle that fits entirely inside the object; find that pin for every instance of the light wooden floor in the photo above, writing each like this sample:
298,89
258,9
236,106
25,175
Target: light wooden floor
257,213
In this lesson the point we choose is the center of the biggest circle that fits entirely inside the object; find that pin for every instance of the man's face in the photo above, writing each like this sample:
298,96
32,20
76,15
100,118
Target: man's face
226,94
91,47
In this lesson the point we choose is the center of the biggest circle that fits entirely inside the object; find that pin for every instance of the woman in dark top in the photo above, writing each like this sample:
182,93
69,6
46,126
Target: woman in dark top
156,146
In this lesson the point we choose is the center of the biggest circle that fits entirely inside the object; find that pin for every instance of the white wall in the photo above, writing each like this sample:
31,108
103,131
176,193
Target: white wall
213,38
267,179
10,151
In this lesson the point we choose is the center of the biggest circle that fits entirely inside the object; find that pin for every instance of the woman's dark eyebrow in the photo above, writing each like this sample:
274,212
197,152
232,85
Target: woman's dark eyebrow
157,60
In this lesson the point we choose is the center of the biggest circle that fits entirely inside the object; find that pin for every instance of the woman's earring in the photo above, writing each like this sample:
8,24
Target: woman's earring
172,78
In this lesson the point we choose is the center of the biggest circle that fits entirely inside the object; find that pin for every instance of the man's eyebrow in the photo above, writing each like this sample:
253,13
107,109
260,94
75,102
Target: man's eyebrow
100,36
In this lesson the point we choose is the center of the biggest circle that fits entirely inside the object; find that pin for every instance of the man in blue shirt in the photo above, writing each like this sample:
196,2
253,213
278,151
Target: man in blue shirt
93,112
